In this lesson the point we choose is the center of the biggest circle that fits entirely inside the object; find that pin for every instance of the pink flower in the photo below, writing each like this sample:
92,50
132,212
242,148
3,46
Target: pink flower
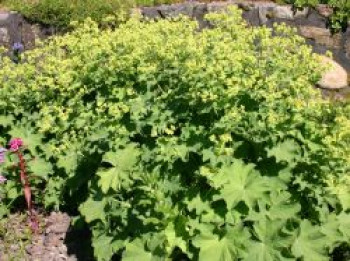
15,144
2,179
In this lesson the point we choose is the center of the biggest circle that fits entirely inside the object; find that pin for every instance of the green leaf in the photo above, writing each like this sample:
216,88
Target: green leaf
231,247
270,241
135,250
40,167
173,240
6,121
122,161
344,225
310,243
93,210
30,140
286,151
240,182
68,161
198,205
105,247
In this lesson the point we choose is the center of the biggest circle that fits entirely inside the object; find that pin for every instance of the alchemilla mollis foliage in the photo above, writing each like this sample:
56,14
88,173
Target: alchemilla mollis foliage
176,142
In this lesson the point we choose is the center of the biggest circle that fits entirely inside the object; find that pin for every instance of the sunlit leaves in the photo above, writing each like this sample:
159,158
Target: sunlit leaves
93,210
230,247
310,243
41,168
135,250
239,182
179,143
122,163
286,151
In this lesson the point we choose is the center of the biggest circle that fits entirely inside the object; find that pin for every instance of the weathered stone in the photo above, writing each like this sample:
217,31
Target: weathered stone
301,13
283,12
151,13
335,77
322,36
4,36
4,17
315,19
347,43
266,12
217,7
176,10
324,10
252,17
247,6
199,10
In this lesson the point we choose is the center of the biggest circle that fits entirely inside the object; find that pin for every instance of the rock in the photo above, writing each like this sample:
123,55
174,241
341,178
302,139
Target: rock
52,240
335,77
199,11
265,13
151,13
315,19
4,36
322,36
347,43
176,10
246,6
252,16
4,17
58,223
217,7
324,10
302,13
283,12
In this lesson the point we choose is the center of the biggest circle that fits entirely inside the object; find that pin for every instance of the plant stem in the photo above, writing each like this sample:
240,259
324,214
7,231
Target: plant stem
27,190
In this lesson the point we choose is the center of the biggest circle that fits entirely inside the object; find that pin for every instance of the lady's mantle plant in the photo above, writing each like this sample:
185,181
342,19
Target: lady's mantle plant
175,142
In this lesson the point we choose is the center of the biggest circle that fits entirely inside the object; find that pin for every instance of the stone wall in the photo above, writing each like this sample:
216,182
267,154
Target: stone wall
14,28
312,23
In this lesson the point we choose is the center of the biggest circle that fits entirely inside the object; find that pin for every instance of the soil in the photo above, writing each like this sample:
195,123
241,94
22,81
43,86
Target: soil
17,242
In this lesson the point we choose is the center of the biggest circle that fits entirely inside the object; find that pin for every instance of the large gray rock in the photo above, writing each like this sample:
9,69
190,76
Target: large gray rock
322,36
335,77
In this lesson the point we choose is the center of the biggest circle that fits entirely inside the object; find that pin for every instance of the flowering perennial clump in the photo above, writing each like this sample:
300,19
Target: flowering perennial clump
178,143
15,146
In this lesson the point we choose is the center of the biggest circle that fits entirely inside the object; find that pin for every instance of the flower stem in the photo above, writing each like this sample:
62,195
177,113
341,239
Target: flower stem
27,190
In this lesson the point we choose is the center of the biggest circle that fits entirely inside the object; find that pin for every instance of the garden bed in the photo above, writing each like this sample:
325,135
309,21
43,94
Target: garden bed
17,242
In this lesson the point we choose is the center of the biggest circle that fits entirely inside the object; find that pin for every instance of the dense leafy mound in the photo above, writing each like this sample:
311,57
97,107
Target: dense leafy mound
176,142
60,14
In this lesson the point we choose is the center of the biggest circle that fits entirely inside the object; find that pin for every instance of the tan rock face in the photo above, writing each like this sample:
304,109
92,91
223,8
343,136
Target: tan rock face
324,10
322,36
335,77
